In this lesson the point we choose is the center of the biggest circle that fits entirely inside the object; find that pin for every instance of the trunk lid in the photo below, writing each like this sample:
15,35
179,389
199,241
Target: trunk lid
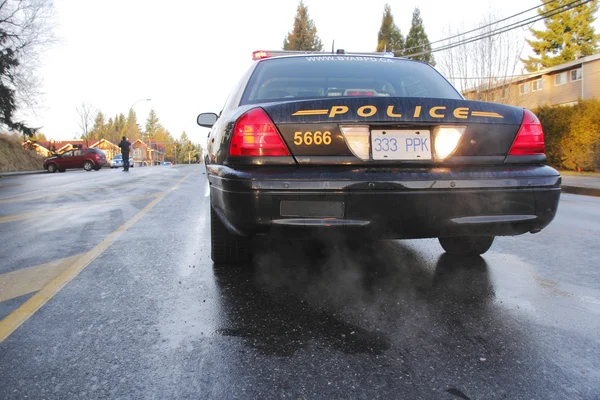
316,131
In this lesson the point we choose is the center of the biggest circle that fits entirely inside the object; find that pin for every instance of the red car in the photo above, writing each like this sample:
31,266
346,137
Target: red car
87,159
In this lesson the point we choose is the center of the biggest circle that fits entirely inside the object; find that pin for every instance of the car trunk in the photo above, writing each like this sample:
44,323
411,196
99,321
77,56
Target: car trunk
395,130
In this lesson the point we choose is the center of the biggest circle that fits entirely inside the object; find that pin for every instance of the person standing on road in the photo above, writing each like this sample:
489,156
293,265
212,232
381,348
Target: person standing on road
124,145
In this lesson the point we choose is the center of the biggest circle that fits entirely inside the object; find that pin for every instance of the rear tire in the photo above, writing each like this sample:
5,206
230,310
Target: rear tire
226,247
466,245
88,166
52,168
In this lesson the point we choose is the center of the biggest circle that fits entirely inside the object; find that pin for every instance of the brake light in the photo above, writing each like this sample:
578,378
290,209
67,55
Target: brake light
255,135
260,55
352,92
530,138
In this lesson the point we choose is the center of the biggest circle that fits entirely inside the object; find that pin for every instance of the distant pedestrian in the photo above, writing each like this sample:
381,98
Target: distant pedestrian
125,145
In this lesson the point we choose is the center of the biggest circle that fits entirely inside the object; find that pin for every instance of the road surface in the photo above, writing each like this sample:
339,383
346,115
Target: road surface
107,290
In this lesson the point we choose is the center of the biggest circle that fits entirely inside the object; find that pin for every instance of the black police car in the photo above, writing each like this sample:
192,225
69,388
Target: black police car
373,147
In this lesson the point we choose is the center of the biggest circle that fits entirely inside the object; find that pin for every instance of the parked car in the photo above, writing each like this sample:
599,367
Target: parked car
88,159
167,163
117,161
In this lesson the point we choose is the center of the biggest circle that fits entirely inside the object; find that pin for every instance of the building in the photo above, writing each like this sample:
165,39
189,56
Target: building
143,153
563,85
109,148
147,153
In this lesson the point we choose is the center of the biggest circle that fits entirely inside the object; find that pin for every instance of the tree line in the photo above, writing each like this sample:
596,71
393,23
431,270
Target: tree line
178,150
568,34
303,35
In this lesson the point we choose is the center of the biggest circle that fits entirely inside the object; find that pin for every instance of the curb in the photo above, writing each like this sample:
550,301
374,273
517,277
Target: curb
595,192
17,173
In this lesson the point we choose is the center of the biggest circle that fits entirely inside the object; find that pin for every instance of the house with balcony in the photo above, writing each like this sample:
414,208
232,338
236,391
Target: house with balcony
561,85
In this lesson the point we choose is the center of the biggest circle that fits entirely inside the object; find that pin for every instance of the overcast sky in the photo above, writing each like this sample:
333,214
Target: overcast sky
186,55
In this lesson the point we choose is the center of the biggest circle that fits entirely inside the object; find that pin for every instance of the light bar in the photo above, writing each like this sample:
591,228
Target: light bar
262,54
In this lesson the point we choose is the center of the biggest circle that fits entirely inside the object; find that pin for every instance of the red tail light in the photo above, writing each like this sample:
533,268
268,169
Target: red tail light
530,138
255,135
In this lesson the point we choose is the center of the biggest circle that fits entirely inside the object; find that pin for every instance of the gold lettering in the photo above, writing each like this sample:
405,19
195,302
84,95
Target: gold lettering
461,113
434,114
390,112
363,113
336,110
417,112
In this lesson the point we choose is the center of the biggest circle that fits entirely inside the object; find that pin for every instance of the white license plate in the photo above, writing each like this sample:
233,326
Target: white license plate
401,144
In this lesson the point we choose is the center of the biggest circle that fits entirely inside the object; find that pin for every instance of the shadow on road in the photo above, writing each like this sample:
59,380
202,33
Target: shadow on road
343,296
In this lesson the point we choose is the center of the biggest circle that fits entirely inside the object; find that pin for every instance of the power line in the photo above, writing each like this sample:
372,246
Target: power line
484,26
505,29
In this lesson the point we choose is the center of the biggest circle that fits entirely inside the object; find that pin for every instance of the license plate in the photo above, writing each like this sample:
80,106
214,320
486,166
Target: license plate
401,144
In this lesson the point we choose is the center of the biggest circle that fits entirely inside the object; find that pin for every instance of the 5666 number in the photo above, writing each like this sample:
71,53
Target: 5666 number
310,138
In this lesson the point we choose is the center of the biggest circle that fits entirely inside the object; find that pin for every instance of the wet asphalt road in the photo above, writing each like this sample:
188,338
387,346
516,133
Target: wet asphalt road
149,317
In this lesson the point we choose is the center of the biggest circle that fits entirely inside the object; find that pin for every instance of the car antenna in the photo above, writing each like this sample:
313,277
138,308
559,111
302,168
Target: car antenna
333,47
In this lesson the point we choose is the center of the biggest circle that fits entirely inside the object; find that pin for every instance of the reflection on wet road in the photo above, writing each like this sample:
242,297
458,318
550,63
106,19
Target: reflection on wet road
151,317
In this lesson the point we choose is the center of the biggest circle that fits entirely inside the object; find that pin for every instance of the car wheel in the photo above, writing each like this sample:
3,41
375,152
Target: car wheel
226,247
51,168
88,165
467,245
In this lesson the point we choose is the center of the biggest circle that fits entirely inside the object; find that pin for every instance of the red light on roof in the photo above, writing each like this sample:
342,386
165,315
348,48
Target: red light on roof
260,55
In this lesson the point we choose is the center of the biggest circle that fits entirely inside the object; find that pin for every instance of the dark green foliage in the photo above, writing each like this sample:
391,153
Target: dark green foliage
304,34
568,35
389,37
417,40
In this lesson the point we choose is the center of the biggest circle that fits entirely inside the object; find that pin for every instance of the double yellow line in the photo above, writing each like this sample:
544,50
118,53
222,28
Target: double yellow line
15,319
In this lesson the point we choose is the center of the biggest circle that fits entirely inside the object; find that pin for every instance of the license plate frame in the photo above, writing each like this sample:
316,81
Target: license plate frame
417,148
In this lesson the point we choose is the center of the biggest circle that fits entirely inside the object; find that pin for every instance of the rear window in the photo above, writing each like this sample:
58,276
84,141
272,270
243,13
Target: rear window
311,77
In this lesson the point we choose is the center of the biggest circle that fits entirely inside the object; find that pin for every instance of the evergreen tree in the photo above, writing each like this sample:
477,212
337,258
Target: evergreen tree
417,40
99,129
568,36
304,35
133,126
120,128
152,125
389,37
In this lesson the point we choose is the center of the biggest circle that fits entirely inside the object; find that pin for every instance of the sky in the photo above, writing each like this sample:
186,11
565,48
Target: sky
187,55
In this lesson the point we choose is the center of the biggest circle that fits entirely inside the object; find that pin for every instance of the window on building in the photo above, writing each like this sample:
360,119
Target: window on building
576,75
525,87
560,79
536,85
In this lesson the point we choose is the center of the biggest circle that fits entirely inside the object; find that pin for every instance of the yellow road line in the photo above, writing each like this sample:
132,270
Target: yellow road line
68,193
15,319
31,279
43,213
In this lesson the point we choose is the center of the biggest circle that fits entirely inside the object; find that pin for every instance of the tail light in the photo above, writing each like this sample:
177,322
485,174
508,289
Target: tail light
530,138
255,135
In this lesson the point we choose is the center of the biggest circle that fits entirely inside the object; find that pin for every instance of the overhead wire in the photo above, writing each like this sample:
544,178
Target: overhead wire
507,28
483,26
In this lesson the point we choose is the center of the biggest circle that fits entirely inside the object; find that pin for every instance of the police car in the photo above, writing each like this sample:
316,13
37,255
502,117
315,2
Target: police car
370,147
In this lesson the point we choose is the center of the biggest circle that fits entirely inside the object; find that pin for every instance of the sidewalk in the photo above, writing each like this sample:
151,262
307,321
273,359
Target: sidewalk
588,185
15,173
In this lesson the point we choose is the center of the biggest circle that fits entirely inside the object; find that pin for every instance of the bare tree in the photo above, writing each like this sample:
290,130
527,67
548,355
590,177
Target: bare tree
485,67
85,120
25,31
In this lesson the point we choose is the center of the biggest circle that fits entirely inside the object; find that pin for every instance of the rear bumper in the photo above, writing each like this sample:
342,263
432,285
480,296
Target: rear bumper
386,203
